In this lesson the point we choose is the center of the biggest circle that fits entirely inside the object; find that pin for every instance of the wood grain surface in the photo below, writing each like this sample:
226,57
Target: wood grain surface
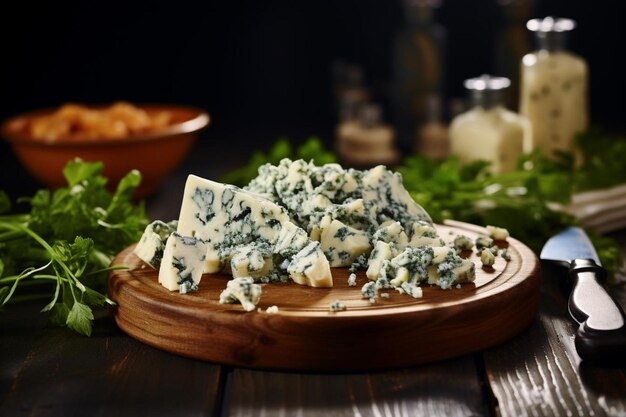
539,373
305,335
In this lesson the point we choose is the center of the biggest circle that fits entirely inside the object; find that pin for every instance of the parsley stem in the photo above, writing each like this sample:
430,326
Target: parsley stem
11,235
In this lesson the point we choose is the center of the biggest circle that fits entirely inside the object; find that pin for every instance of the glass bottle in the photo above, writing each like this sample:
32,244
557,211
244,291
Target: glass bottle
554,88
432,137
488,131
417,67
512,43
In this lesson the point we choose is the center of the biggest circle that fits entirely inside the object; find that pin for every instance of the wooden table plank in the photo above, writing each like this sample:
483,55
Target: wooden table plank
109,374
17,337
450,388
540,374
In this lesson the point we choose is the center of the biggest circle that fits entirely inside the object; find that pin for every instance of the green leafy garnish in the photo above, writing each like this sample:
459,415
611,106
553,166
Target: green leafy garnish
312,149
63,247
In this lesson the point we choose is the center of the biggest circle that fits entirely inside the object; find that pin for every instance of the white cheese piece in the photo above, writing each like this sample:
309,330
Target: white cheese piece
383,191
487,257
422,228
227,217
251,261
391,232
291,240
182,264
342,244
152,243
498,233
418,241
243,290
382,251
310,267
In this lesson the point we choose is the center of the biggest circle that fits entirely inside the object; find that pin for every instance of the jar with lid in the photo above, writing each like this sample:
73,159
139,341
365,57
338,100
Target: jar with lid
553,88
488,131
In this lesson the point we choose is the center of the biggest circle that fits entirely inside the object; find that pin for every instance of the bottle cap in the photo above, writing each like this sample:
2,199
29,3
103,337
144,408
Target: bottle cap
486,90
551,24
551,32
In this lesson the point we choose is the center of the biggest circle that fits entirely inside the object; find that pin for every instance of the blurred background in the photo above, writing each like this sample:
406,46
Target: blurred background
269,69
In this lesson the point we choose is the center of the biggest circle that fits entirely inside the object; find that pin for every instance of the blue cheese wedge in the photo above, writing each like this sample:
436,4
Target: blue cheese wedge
384,195
227,218
242,290
182,264
152,243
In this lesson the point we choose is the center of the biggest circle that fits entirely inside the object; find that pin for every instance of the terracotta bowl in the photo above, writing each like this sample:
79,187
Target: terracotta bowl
155,154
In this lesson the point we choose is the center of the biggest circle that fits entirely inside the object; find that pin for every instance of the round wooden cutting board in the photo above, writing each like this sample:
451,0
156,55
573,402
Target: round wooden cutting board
305,335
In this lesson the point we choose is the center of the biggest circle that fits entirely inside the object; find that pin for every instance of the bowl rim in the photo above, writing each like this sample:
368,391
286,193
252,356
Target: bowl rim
198,122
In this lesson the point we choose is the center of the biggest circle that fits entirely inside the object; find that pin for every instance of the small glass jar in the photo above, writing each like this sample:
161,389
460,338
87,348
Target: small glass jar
553,88
488,131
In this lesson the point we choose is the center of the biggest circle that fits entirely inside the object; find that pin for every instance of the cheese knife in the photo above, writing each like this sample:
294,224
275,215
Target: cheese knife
601,336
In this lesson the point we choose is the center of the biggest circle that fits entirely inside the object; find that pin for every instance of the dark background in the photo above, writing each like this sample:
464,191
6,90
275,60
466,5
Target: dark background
261,68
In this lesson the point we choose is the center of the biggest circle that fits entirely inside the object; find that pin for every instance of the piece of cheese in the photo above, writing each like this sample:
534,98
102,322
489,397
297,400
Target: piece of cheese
227,218
242,290
310,267
182,264
152,243
342,244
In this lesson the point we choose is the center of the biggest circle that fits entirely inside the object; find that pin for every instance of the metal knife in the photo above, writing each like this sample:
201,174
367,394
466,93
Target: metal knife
601,336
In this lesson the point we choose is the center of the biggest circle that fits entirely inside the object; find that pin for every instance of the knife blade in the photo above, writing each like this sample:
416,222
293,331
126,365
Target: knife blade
601,336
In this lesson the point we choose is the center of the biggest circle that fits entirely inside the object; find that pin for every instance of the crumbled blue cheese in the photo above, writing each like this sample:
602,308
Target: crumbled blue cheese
297,219
369,290
487,257
505,255
498,233
182,263
251,261
272,310
483,242
336,306
462,242
342,244
242,290
310,267
352,280
152,243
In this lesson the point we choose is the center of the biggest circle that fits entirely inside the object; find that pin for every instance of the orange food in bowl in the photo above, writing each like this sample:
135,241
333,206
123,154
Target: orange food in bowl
151,138
76,121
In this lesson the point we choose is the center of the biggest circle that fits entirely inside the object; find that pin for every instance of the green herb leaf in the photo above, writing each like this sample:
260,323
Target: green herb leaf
79,318
68,239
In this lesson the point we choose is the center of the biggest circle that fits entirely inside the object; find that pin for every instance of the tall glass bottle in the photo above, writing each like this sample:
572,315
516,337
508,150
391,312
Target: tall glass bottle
554,88
417,71
512,43
488,131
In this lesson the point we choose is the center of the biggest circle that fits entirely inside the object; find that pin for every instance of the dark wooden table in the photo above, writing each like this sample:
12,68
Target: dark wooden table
48,371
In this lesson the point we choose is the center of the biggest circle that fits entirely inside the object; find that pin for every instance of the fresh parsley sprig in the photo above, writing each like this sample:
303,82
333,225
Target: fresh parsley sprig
63,247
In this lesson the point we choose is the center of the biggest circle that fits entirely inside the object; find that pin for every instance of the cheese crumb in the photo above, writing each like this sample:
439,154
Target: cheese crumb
498,233
272,310
336,306
487,257
352,280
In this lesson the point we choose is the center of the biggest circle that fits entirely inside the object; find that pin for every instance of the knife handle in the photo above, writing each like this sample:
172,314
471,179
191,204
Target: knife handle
601,336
